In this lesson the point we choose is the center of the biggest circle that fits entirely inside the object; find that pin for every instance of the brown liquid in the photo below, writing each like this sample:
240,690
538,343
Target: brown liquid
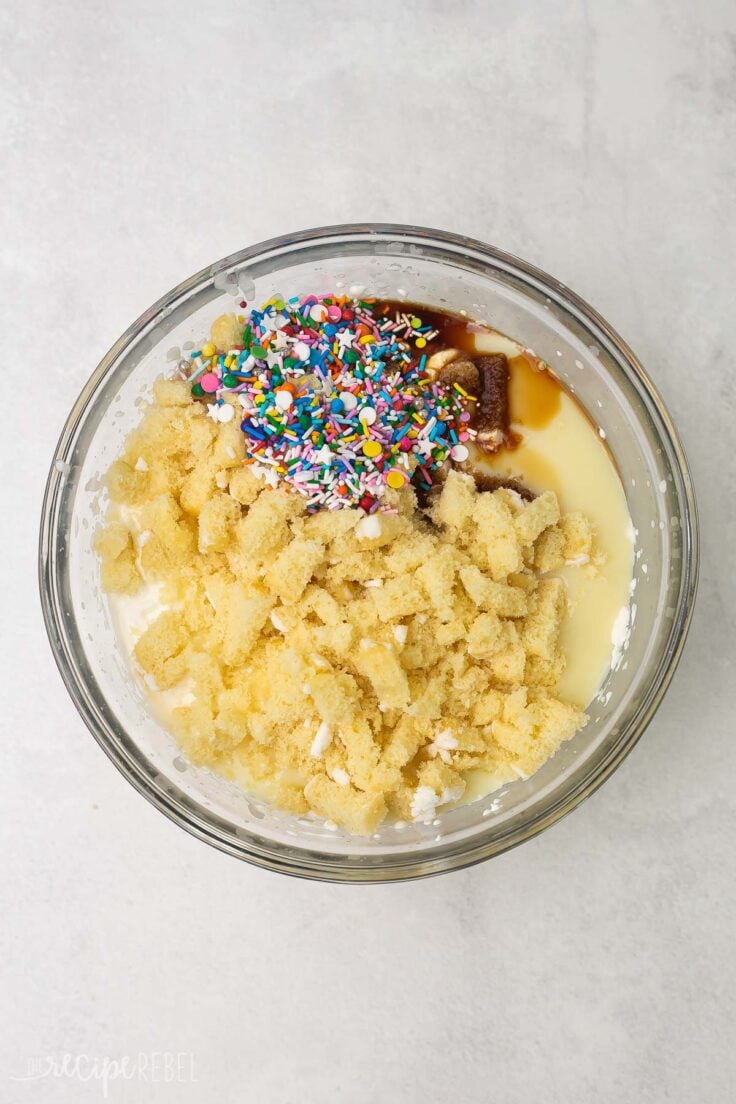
534,391
453,329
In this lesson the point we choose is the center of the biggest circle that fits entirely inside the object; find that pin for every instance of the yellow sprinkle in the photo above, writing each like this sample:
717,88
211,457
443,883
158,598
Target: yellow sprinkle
395,479
259,399
461,390
209,349
420,342
367,339
417,419
228,361
241,319
371,448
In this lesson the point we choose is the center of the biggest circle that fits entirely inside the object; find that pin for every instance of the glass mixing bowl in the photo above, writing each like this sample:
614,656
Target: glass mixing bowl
442,270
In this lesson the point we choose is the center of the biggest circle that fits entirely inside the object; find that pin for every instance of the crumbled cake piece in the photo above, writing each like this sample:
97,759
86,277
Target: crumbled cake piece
346,665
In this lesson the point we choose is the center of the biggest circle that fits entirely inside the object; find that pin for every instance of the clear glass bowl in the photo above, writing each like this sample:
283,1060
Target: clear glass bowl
441,270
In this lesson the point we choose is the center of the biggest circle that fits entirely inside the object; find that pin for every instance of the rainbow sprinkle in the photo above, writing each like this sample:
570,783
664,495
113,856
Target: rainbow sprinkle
335,400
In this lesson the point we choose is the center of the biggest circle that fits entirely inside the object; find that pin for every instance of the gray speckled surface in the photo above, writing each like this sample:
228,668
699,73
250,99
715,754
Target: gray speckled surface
141,141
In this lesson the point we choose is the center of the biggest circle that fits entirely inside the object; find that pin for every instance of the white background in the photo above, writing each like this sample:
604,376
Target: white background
141,141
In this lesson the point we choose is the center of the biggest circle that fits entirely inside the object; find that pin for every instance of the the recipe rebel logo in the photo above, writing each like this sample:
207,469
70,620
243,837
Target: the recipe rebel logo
157,1067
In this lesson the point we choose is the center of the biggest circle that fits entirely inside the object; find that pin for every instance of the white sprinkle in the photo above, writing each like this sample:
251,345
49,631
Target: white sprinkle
368,528
318,313
459,453
373,583
341,777
518,773
322,740
367,415
323,455
277,622
400,634
225,413
602,433
284,400
301,350
62,467
141,465
348,399
644,569
221,479
663,485
578,364
578,561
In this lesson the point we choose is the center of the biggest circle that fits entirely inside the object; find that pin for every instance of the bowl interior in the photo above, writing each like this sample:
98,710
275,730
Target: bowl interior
440,271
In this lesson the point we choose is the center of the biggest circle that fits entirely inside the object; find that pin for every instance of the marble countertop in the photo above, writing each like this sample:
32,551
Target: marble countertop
142,141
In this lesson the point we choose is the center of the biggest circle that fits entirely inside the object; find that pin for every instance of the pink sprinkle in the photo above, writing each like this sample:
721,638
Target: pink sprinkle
464,436
209,382
334,313
465,417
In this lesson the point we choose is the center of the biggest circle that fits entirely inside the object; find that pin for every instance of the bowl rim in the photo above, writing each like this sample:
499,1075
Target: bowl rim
323,866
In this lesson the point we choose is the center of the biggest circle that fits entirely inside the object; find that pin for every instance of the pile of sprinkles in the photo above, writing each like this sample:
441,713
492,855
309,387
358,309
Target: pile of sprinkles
334,399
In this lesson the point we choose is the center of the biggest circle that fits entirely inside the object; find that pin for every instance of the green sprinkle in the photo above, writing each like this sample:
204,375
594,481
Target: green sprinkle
197,390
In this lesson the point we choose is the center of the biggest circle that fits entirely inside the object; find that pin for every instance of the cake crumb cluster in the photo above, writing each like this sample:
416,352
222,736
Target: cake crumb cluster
348,664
